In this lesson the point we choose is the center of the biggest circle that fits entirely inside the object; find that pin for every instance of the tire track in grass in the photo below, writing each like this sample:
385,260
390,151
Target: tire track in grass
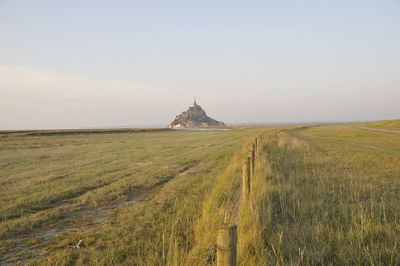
81,219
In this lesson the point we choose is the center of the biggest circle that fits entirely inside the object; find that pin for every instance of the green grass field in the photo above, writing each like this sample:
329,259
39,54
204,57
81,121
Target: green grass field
121,192
320,195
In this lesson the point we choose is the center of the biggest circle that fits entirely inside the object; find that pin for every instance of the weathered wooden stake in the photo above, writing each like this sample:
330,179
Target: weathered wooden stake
226,245
251,164
253,157
246,179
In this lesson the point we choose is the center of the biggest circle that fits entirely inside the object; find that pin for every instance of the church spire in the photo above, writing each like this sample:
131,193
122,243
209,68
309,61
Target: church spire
194,102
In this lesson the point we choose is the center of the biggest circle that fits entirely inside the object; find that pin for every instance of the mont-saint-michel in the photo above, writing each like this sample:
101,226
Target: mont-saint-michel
195,117
284,162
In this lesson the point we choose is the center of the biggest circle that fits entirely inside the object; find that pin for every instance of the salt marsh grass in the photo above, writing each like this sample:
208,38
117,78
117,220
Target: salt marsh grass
320,195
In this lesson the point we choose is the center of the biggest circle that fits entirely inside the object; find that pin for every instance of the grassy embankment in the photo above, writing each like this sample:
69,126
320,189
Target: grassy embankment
333,197
387,124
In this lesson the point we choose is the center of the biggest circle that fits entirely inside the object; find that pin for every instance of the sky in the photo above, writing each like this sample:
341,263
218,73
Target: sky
79,64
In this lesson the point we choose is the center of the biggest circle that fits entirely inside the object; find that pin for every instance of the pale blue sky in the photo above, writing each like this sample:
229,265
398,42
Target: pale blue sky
71,64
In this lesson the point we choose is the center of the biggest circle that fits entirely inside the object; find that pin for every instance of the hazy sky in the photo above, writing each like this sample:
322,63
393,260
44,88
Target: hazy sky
73,64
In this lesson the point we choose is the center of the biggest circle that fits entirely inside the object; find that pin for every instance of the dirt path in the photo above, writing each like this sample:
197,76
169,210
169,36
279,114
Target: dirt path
390,150
391,131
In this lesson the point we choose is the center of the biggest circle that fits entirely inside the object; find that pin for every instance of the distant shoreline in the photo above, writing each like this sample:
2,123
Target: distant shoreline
201,129
161,127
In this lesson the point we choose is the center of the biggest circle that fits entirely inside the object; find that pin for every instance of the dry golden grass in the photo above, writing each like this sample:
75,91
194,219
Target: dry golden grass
387,124
334,198
320,195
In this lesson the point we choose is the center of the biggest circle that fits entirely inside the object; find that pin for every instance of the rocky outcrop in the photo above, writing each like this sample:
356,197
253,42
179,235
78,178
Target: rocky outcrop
195,117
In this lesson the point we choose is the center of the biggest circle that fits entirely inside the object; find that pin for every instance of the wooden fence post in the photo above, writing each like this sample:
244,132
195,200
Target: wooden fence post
251,164
226,245
253,157
246,179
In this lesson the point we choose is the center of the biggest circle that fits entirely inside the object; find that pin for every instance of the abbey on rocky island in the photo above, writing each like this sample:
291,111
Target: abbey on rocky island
195,117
